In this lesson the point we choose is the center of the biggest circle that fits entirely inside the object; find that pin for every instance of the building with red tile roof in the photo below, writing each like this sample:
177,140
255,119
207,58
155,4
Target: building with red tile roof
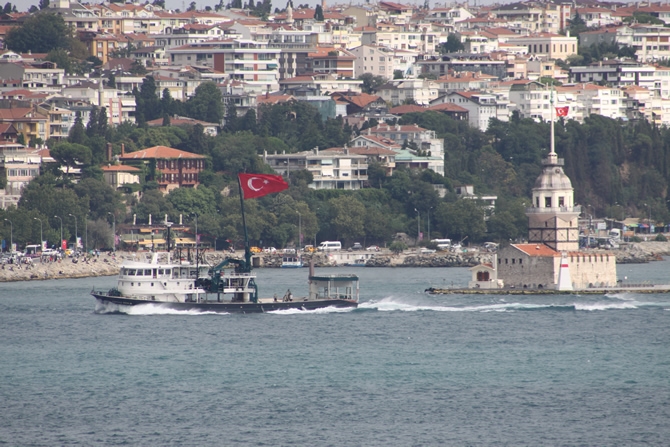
175,168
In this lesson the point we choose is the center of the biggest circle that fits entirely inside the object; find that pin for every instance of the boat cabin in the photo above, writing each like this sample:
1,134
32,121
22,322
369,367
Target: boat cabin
333,286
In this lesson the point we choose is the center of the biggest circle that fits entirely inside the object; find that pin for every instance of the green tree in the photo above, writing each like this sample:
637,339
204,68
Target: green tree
77,132
349,217
371,82
318,13
452,45
206,104
40,33
71,155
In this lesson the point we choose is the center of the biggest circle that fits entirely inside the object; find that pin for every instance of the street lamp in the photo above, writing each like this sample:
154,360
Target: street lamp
11,235
429,221
418,225
649,213
41,237
60,243
299,244
113,231
76,232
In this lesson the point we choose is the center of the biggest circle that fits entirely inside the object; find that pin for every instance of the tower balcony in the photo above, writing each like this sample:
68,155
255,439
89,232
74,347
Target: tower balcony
577,209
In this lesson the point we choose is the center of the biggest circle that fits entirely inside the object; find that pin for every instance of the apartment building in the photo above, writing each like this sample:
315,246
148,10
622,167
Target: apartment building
330,170
481,106
617,73
330,60
537,17
651,42
243,60
402,91
373,59
548,45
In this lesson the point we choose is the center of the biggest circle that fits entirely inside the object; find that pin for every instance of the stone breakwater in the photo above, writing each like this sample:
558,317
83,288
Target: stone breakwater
104,265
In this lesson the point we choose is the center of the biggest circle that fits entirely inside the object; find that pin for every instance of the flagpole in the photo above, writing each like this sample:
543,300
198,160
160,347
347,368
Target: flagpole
551,106
247,251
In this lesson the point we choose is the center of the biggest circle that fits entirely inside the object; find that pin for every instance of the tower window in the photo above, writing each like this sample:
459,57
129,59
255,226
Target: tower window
561,201
547,202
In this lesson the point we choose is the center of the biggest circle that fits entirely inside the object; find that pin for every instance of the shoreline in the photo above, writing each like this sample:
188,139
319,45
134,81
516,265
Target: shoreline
108,264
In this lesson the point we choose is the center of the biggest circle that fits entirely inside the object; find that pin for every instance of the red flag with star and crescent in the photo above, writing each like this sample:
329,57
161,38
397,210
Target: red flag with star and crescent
562,111
259,185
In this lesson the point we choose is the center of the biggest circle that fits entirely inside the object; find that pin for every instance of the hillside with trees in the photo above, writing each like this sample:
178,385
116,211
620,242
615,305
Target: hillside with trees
617,169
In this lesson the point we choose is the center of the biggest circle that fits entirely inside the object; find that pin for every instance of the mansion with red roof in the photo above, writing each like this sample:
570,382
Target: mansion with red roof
174,168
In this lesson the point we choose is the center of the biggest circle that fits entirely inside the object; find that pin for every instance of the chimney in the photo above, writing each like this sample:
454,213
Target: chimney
123,150
109,151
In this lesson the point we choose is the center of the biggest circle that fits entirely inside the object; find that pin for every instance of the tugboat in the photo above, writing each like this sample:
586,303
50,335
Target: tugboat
184,286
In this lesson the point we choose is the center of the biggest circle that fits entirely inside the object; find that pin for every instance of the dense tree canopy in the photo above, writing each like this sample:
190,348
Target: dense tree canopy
40,33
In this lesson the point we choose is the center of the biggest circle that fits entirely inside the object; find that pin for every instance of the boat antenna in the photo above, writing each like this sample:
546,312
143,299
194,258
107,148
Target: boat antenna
197,252
247,251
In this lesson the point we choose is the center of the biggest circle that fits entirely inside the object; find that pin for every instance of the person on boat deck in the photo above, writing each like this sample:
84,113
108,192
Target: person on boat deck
275,297
288,296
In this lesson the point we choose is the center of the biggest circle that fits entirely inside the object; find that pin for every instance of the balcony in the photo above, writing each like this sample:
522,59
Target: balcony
577,209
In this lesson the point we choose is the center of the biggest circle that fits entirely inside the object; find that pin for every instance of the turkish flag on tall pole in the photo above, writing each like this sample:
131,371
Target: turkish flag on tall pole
259,185
251,187
562,111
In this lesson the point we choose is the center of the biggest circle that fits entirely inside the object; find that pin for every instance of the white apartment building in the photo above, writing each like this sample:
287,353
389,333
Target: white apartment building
401,91
425,42
329,170
373,59
243,60
481,106
647,104
192,33
617,73
651,42
534,16
425,139
532,99
595,17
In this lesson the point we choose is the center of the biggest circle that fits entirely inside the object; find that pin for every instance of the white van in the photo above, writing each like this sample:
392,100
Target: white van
330,246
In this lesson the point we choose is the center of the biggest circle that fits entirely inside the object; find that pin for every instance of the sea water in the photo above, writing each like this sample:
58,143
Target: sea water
404,369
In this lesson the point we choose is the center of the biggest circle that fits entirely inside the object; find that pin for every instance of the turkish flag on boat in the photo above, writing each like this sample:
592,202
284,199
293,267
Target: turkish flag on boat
562,111
259,185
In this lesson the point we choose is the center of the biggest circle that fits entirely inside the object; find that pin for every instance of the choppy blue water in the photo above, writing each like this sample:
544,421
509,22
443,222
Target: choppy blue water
405,369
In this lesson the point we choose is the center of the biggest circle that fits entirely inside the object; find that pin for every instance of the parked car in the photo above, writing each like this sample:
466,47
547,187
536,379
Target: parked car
373,248
269,250
310,249
425,250
255,249
357,246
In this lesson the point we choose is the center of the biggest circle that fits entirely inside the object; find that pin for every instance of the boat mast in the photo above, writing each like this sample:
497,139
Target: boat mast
247,251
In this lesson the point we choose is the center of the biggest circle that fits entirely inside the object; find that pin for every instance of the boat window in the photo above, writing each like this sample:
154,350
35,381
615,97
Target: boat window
130,272
147,272
160,271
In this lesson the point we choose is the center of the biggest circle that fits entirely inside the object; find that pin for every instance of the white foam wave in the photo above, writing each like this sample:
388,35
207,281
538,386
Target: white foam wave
324,310
150,309
391,304
605,306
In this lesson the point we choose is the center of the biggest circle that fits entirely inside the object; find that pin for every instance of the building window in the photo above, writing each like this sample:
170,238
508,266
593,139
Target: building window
547,202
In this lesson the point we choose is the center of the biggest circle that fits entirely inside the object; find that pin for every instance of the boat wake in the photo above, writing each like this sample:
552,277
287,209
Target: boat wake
324,310
148,309
390,304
